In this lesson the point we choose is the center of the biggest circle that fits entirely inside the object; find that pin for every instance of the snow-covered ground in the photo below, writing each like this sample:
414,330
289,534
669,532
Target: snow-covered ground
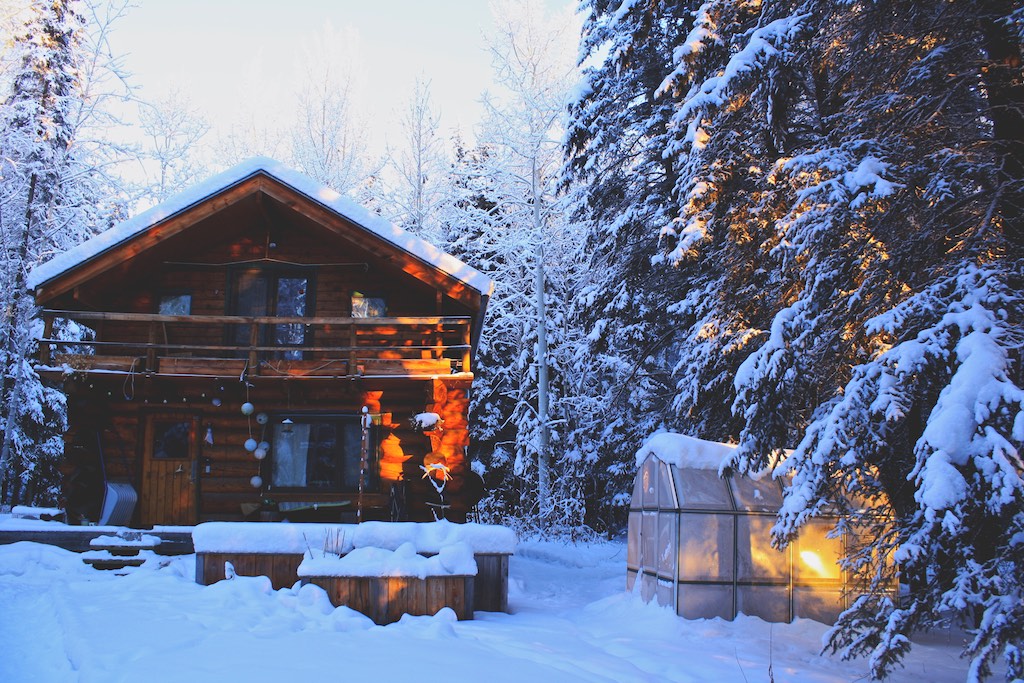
571,621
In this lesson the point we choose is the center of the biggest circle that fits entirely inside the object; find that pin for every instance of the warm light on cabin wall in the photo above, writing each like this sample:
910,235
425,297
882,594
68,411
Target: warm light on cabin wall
393,457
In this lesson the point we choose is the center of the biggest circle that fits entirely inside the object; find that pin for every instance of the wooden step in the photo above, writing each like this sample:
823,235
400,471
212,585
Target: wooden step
125,543
103,559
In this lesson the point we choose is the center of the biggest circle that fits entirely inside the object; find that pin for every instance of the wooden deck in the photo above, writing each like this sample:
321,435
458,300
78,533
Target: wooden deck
78,539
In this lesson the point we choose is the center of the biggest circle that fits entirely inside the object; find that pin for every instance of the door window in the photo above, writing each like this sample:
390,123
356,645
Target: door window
171,439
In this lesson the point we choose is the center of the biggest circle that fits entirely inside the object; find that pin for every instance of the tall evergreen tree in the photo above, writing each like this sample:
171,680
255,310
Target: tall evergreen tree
54,191
623,190
38,207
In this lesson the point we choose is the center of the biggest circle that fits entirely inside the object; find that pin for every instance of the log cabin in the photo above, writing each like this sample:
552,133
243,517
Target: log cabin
236,335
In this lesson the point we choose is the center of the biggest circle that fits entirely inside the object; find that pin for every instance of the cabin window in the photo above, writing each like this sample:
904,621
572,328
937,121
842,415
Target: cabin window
288,294
366,306
171,439
175,304
321,453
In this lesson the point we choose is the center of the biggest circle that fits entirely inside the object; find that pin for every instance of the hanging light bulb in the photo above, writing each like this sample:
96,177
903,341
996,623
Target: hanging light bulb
250,444
248,408
256,481
262,418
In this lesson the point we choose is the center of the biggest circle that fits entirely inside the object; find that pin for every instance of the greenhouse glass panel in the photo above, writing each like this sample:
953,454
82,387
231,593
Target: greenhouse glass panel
760,495
667,545
705,547
633,541
666,491
704,601
649,473
820,603
648,587
771,603
649,540
756,559
817,556
702,489
666,593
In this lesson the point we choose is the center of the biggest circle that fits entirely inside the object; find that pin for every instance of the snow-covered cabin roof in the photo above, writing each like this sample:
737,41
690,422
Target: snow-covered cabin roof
327,198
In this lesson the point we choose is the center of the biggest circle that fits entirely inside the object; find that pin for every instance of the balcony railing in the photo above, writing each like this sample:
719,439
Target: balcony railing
260,345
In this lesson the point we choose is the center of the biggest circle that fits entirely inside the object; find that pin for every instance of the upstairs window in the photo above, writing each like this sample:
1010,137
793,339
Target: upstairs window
279,293
366,306
175,304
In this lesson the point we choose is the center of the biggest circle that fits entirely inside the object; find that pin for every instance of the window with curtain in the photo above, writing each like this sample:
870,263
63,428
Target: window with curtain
321,453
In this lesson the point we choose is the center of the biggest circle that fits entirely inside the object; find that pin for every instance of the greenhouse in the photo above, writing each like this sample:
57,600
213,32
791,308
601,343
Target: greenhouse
702,543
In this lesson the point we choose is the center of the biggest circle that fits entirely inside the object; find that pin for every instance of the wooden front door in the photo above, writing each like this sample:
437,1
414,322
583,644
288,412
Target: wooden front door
169,469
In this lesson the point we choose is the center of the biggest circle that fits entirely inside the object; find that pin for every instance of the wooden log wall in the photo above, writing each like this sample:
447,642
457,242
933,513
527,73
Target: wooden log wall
119,405
337,270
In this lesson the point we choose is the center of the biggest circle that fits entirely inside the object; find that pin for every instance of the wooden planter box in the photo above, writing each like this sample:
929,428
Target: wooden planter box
280,568
490,593
386,598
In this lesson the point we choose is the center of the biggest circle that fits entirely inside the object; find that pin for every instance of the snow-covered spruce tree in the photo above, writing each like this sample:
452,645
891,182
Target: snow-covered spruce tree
931,416
468,223
38,207
60,80
629,306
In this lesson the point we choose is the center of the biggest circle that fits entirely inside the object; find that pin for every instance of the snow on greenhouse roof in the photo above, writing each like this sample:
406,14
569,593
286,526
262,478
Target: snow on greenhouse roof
684,451
326,197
